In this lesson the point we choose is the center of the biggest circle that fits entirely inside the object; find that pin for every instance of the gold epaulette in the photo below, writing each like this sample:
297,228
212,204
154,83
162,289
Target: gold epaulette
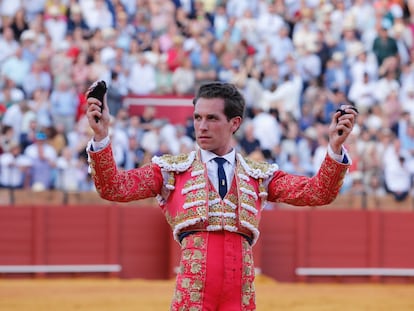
257,169
175,163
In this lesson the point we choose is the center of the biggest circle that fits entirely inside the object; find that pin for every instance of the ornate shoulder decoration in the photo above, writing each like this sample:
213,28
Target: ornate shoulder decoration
175,163
257,169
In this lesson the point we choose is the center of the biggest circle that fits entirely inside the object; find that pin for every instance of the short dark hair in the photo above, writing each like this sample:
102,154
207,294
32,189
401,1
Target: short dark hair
234,103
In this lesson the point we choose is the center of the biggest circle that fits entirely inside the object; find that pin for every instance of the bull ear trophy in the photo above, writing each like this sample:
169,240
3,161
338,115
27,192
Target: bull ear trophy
98,90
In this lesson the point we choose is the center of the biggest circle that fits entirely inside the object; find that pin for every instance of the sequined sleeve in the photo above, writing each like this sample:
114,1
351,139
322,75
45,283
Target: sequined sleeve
118,185
321,189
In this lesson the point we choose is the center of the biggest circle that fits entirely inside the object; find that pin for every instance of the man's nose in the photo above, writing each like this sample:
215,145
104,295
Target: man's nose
203,125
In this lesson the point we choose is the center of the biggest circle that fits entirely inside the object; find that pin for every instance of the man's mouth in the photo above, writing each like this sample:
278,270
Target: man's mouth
203,138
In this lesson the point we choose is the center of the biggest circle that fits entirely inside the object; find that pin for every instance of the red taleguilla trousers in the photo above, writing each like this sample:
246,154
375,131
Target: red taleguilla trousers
216,273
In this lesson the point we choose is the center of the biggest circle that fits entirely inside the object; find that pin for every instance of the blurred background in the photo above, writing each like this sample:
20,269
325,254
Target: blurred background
295,62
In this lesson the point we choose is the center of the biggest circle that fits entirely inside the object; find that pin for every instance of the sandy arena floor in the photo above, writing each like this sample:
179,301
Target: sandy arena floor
127,295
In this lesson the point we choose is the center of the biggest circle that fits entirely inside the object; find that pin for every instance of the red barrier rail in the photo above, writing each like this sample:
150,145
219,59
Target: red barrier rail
176,109
138,240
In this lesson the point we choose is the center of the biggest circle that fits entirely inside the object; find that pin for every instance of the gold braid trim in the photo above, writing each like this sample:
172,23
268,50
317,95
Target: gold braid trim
257,169
175,163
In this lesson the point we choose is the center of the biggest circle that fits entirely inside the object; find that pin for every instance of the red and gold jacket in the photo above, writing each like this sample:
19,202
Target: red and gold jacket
190,202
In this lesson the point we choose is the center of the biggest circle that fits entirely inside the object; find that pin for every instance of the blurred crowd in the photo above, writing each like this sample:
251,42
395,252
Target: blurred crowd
295,61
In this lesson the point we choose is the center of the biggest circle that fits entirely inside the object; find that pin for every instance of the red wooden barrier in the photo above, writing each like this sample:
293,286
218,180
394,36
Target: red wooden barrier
139,240
176,109
336,239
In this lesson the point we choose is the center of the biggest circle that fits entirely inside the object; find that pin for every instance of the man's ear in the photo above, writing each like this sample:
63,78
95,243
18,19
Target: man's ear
235,123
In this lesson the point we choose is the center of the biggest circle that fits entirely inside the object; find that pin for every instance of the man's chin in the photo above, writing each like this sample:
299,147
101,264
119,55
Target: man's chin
204,146
203,143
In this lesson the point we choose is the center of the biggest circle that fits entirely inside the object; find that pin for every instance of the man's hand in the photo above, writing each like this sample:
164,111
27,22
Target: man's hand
341,126
94,113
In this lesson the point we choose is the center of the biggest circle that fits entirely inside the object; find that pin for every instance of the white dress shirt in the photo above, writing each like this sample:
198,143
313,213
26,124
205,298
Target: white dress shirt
207,157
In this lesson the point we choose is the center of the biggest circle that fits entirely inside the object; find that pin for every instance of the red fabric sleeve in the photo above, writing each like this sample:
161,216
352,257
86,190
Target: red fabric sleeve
321,189
118,185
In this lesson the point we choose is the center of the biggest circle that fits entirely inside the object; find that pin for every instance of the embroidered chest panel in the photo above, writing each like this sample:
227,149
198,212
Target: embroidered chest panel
199,204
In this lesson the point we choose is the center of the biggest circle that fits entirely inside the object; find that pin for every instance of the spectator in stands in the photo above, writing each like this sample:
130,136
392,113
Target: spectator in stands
169,136
77,139
9,9
29,129
269,76
375,186
205,68
309,64
14,167
336,73
386,84
248,142
8,44
404,40
33,8
37,78
80,70
163,79
282,46
362,93
108,52
205,214
63,105
60,63
19,23
407,146
361,62
147,117
13,116
115,94
98,69
97,14
144,72
332,101
306,146
407,100
57,137
30,44
286,97
183,78
269,22
76,20
397,177
134,155
384,45
6,138
293,165
267,130
320,151
186,142
238,7
151,139
391,108
374,120
40,104
9,94
16,68
55,24
67,171
43,157
363,13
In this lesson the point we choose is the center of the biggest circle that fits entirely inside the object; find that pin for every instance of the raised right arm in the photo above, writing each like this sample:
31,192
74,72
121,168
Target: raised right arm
118,185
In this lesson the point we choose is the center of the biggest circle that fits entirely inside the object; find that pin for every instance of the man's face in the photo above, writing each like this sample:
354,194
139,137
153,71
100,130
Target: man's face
212,129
